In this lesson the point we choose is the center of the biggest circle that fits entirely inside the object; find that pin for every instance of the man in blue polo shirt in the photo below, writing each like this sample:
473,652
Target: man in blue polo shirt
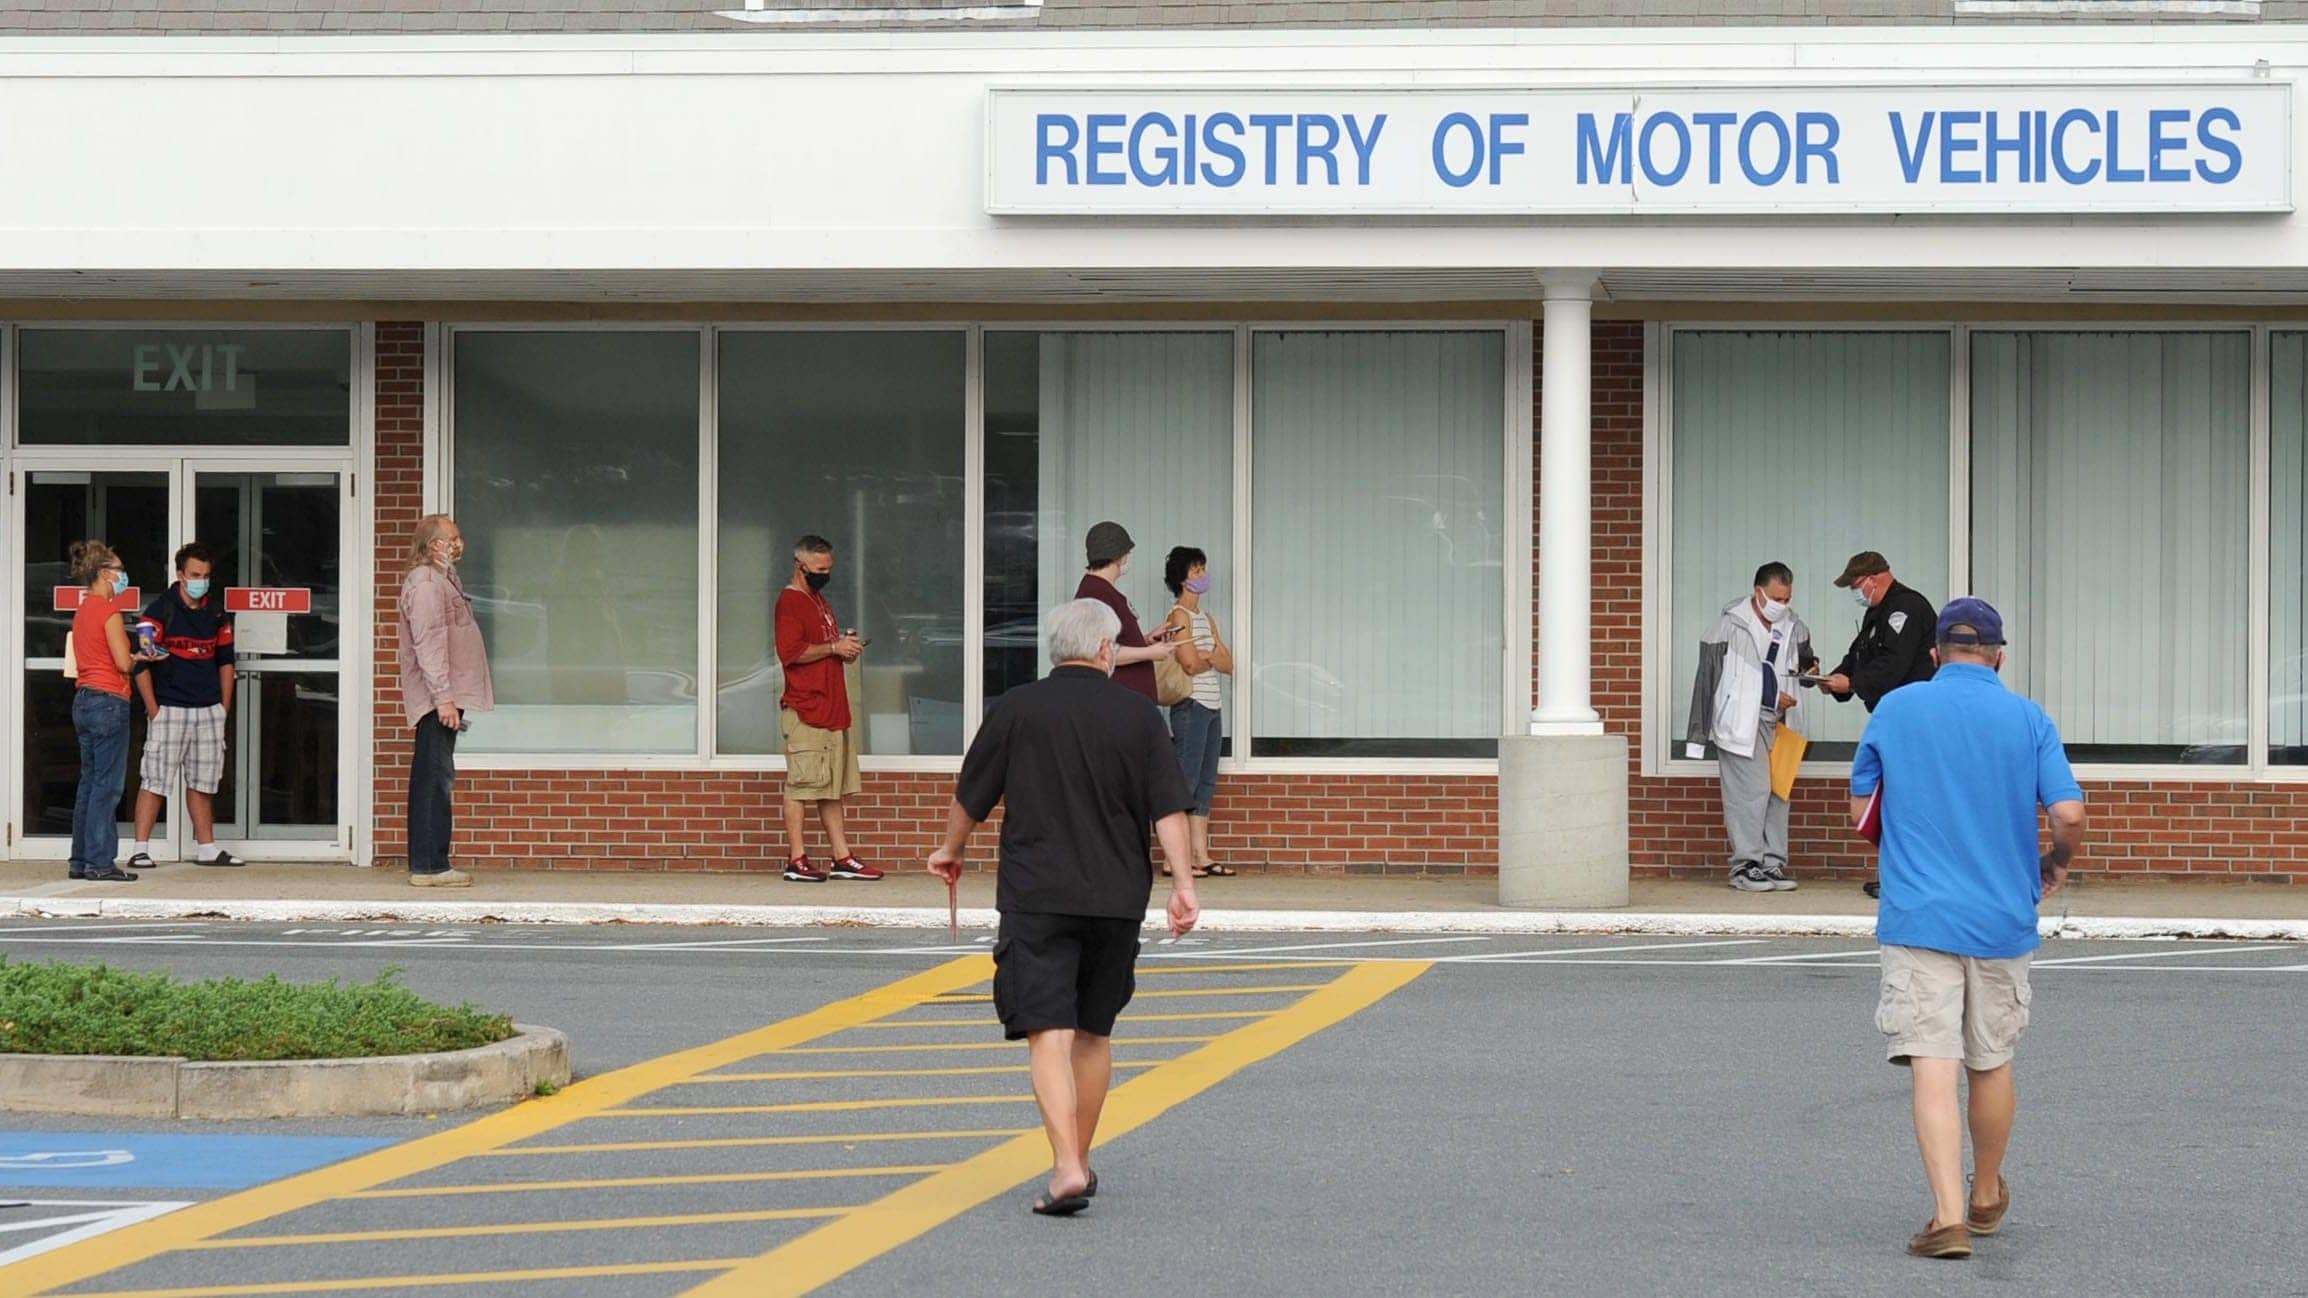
1957,766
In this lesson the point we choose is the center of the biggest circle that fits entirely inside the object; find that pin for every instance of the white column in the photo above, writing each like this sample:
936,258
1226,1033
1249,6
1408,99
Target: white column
1566,512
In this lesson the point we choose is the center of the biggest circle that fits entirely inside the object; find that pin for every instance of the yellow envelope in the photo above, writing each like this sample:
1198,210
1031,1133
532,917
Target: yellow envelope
1786,755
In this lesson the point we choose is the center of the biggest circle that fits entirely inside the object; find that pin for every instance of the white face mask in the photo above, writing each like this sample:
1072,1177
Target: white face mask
1773,610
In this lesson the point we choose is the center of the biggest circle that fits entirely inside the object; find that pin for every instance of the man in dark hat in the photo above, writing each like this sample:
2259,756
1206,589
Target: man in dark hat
1893,647
1957,768
1108,553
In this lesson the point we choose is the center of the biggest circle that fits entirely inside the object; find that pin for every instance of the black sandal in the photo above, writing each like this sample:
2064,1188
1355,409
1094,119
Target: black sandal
1067,1206
1214,871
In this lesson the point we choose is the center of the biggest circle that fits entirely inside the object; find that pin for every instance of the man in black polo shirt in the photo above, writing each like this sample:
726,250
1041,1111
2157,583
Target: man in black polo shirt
1083,768
187,697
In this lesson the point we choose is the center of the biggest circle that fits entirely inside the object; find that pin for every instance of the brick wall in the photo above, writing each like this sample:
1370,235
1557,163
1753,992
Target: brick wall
730,820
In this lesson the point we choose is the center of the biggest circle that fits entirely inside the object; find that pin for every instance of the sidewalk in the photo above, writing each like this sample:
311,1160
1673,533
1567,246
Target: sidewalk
913,899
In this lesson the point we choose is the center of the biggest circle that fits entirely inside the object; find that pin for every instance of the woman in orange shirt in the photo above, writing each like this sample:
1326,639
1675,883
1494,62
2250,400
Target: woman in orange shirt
102,660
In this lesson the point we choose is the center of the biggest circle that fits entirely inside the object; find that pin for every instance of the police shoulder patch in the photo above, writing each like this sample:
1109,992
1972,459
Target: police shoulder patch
1898,623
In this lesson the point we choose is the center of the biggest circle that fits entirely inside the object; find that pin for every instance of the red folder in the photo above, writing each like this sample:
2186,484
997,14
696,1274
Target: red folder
1871,819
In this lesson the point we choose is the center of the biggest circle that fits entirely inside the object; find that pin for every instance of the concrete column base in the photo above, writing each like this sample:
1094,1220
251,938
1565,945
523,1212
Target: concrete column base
1562,821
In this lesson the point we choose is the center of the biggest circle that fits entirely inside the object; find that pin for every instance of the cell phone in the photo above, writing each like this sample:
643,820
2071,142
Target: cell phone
1164,631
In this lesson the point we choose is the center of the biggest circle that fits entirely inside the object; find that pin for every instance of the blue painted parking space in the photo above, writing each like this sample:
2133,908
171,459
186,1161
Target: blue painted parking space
109,1160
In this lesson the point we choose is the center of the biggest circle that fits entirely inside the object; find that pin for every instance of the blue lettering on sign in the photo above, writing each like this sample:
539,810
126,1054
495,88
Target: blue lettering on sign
1450,175
2224,147
2076,146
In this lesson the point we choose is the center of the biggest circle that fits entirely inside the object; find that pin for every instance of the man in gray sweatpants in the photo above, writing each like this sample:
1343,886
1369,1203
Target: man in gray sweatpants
1748,665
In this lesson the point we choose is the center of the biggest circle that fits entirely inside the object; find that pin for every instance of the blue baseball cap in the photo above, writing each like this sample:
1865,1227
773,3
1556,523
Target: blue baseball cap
1970,621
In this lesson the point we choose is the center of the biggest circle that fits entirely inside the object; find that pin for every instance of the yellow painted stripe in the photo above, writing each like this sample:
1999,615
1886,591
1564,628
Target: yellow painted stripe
623,1182
1254,989
76,1263
983,1070
841,1246
1018,1046
523,1228
812,1106
741,1142
420,1281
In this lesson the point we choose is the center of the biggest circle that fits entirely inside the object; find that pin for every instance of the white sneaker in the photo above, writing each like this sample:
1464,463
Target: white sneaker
1750,878
1777,874
441,879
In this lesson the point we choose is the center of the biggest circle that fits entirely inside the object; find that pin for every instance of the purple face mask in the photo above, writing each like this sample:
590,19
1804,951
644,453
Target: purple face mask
1199,585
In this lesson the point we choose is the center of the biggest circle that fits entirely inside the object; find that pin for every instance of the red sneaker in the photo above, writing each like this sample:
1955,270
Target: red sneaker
799,870
849,867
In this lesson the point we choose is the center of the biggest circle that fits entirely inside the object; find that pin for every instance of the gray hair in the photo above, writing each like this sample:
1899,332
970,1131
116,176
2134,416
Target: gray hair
1076,628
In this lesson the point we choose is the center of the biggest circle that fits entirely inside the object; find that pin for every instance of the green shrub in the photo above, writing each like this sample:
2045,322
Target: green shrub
69,1009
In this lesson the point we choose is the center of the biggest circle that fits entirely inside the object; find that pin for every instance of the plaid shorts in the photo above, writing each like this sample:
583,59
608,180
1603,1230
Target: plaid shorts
184,745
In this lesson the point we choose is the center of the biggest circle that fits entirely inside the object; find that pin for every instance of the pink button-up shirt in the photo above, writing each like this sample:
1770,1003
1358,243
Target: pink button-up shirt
442,659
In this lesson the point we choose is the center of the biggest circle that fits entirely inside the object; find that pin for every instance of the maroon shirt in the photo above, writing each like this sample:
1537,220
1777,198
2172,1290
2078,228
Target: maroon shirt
1135,676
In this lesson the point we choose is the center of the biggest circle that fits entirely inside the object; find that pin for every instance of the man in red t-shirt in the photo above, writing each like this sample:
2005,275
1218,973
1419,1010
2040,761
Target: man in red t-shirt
820,747
1108,551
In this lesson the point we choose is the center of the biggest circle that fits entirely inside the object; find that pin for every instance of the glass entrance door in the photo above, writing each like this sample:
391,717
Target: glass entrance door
277,541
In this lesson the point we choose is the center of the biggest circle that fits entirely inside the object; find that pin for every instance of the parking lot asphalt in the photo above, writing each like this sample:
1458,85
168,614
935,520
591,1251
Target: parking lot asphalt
766,1111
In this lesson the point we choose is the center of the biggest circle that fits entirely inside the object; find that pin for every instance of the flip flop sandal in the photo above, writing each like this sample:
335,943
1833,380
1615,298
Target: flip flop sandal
1045,1206
1215,872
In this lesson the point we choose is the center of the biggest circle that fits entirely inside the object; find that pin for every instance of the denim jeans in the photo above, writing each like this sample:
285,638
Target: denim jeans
432,778
101,721
1197,734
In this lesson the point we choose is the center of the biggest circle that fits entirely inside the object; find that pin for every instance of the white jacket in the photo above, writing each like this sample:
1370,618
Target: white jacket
1727,698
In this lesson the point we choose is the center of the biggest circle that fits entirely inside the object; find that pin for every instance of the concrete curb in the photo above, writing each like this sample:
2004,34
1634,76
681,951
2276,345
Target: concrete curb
121,1086
1506,923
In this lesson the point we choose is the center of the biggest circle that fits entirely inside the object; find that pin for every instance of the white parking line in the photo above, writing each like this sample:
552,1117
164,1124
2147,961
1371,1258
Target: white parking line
1598,950
2157,955
1327,946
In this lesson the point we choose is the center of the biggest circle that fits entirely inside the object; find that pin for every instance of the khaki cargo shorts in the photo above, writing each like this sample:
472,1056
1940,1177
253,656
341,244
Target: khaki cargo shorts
1941,1006
820,765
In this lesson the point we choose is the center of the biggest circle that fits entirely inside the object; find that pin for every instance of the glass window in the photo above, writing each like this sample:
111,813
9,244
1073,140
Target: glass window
2288,557
185,387
1378,520
856,436
576,483
1081,427
2110,506
1803,448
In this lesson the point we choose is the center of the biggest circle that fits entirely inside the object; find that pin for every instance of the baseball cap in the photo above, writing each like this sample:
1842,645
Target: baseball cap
1970,621
1108,541
1866,563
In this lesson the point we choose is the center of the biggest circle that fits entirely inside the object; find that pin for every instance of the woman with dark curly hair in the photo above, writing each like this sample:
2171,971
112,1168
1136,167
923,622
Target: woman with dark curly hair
1196,721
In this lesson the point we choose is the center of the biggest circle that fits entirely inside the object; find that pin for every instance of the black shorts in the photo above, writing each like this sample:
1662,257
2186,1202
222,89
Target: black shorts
1063,971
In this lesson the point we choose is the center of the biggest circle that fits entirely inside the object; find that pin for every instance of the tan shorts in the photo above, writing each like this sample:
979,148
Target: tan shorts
820,765
1941,1006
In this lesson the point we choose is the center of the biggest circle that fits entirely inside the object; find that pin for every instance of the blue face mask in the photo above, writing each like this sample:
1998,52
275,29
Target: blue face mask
197,587
120,582
1859,597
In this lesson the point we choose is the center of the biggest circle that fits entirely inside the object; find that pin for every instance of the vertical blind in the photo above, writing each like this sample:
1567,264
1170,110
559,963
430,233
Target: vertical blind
2288,554
2110,514
1803,448
1378,541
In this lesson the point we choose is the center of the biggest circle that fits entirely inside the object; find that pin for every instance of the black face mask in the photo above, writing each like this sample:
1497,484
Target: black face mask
816,580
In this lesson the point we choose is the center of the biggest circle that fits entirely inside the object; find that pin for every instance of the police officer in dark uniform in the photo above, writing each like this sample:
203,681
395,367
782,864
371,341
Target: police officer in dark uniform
1894,644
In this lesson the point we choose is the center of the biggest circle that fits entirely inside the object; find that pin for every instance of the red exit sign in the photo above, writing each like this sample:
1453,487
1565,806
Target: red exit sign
268,599
68,598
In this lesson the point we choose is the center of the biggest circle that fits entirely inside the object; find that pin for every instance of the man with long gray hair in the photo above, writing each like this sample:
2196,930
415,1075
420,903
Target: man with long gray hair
1083,768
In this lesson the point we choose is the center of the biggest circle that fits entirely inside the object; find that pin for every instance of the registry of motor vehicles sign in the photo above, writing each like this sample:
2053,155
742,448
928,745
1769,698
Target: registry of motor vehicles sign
2053,148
